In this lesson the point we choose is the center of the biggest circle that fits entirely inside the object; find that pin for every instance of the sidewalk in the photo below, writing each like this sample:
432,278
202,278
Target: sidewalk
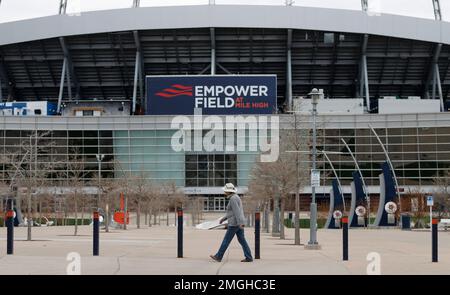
153,251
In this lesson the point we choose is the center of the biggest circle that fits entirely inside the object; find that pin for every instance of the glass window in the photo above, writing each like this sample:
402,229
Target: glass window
210,170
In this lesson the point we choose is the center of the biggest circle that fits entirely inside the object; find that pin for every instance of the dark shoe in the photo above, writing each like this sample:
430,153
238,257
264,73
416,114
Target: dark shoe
215,258
247,260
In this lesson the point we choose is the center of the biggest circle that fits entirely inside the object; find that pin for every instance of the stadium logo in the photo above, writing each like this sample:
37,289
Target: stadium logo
218,96
175,90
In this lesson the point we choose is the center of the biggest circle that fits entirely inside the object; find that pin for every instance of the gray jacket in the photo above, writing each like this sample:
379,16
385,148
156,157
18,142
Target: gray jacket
235,212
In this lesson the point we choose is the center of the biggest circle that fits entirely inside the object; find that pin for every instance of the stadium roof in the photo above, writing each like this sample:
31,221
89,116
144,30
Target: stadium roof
100,49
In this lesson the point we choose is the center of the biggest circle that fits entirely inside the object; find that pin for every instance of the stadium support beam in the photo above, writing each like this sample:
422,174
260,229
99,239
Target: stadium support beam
212,33
136,3
437,10
289,70
364,76
62,6
388,159
138,72
70,71
61,86
224,69
365,5
434,67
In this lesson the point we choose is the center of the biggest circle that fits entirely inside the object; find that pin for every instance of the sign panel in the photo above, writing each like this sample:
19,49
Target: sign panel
430,201
315,178
214,95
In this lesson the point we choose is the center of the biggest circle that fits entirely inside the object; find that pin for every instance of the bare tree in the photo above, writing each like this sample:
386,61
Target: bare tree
75,175
442,194
30,166
282,178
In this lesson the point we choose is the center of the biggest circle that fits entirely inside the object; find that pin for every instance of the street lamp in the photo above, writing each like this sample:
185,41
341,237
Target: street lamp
312,243
100,158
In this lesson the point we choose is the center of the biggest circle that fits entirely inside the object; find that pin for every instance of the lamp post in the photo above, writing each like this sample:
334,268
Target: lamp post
312,243
100,158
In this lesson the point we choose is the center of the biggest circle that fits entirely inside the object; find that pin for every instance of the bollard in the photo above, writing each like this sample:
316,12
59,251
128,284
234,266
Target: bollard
10,232
96,231
344,238
434,240
180,232
257,235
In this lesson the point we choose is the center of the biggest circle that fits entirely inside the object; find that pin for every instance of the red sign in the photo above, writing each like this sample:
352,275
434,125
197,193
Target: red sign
118,217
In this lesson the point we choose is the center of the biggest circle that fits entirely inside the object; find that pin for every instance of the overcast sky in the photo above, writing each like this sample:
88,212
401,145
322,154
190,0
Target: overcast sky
11,10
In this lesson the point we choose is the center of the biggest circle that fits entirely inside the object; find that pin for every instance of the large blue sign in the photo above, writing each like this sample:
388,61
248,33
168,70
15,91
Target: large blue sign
214,95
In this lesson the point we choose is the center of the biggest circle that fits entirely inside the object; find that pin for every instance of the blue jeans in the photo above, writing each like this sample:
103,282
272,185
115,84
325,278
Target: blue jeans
239,232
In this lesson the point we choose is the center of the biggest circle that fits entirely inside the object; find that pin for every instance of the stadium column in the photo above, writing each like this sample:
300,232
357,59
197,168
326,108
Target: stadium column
289,70
138,72
364,76
61,85
432,78
213,50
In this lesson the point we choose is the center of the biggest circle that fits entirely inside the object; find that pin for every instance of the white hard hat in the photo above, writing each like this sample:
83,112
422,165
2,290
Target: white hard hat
229,188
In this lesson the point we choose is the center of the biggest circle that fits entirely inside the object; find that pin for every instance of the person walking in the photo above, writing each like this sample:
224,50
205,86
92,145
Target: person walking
236,221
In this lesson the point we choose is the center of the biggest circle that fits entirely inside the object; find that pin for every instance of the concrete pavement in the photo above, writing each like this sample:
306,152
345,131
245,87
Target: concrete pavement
152,250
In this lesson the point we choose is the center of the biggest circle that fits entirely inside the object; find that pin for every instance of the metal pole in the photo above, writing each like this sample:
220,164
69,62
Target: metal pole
361,175
434,240
96,236
180,233
99,181
135,82
257,235
335,175
345,238
439,87
366,83
10,231
312,243
390,164
213,51
289,70
61,86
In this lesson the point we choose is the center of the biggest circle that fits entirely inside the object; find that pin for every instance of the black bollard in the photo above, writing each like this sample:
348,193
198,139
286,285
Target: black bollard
180,232
96,230
344,238
10,232
434,240
257,235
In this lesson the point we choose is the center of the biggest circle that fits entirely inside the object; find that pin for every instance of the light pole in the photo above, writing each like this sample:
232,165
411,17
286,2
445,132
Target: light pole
100,158
312,243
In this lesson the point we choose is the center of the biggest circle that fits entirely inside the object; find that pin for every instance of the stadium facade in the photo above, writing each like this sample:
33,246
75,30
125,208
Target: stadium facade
105,55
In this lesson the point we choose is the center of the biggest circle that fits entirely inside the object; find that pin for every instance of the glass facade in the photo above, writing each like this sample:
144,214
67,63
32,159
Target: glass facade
419,154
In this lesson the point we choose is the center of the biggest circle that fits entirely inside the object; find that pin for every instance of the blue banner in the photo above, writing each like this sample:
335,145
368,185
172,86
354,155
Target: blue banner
214,95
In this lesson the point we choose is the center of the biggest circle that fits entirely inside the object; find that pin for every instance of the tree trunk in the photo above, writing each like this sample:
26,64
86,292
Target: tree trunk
138,214
107,215
282,236
125,212
154,217
167,217
75,203
297,217
40,211
30,218
146,217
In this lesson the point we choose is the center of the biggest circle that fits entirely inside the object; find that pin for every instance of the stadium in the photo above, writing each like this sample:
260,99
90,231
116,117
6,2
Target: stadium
79,77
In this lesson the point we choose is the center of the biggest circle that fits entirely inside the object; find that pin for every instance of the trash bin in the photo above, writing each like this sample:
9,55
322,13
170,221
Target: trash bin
406,221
